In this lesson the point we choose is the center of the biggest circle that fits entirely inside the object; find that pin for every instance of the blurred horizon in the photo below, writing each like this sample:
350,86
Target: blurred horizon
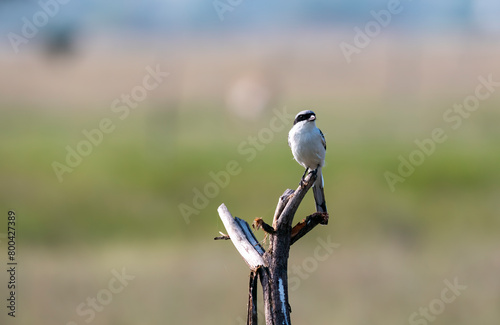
152,16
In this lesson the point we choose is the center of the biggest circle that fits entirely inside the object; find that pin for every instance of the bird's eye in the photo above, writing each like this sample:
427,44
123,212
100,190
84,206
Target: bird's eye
305,116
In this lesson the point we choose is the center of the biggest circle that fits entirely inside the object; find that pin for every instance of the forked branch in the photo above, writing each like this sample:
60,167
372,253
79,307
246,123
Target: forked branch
271,265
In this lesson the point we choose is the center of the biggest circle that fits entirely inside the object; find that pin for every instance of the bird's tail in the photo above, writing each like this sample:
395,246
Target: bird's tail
319,193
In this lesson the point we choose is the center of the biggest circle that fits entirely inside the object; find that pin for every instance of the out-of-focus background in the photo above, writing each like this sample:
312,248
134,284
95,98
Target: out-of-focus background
124,125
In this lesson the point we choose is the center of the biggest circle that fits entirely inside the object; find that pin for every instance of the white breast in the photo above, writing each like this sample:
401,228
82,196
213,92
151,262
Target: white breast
307,145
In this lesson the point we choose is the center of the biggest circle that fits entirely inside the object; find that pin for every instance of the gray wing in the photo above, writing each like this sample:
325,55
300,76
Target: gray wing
322,139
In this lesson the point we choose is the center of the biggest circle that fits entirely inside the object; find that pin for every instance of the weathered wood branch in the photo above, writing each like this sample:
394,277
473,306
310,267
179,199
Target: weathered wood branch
298,231
242,238
252,314
308,224
293,201
271,266
267,288
283,200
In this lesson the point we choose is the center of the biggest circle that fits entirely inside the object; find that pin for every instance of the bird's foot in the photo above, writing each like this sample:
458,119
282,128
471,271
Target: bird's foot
302,182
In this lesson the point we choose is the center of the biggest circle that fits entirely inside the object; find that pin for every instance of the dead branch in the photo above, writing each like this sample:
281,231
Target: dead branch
242,238
222,236
308,224
252,318
271,266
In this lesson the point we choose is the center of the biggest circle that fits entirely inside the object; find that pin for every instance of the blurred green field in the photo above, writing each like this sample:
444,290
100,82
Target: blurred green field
390,252
131,185
374,281
120,209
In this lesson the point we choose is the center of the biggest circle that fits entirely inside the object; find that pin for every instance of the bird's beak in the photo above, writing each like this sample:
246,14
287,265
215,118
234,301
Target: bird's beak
312,118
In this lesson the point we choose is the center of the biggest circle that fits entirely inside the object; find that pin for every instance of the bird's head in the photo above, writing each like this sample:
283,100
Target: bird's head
306,116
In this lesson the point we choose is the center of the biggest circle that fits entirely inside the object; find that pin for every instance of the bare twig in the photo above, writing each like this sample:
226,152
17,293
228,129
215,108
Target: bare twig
222,236
307,224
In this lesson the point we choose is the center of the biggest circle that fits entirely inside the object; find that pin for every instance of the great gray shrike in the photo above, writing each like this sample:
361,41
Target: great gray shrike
309,148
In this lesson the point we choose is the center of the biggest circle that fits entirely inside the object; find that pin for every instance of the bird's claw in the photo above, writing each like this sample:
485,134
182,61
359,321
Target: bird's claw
302,182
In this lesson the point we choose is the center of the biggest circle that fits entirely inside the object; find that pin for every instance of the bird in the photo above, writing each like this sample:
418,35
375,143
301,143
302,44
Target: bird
308,146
